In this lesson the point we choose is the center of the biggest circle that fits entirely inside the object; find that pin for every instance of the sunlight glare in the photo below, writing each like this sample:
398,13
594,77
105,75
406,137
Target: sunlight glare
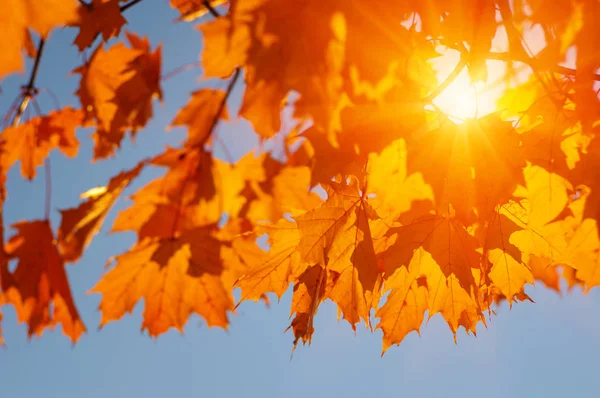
462,99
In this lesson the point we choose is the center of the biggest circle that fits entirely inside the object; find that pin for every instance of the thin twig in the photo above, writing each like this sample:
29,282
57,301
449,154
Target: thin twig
448,81
29,90
36,65
215,120
211,9
128,5
532,62
178,70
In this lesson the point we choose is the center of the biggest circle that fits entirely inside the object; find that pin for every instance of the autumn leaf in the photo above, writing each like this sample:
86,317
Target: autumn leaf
79,225
538,212
175,277
116,91
174,218
365,191
271,189
39,288
404,309
18,17
508,272
544,271
395,190
309,292
583,251
279,268
328,161
31,142
98,17
313,70
195,191
337,236
200,114
449,260
474,166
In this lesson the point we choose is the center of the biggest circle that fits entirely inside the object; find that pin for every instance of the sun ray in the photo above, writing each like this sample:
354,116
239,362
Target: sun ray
462,99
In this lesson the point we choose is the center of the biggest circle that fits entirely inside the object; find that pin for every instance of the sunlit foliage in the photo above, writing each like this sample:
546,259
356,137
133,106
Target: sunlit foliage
442,156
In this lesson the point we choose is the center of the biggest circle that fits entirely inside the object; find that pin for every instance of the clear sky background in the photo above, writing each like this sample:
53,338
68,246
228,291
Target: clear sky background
547,349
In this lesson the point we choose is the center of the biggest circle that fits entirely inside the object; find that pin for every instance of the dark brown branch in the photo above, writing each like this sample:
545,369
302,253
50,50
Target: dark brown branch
29,90
215,120
448,81
211,9
129,5
36,65
234,79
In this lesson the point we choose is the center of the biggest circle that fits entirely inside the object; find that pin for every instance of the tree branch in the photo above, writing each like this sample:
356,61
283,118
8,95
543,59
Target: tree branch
29,90
215,120
451,77
236,75
211,9
533,63
128,5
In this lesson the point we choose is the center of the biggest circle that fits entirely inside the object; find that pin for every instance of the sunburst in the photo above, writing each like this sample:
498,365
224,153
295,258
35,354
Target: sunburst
462,99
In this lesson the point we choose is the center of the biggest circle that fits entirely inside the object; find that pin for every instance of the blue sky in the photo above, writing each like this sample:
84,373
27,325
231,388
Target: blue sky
544,349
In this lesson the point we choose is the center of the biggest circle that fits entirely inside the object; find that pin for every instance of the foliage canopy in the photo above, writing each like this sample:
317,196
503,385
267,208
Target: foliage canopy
383,203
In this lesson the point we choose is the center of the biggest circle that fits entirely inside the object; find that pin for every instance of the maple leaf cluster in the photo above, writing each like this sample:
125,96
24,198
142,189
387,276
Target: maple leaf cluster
381,203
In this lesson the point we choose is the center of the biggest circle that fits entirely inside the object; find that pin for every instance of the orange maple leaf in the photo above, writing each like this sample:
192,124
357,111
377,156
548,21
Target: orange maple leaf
175,277
79,225
99,16
200,114
546,272
474,166
313,70
31,142
39,288
17,17
351,256
405,307
449,260
508,271
274,272
273,189
116,91
185,197
543,232
309,292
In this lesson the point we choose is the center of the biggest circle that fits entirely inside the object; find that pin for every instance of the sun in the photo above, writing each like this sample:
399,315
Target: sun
462,99
459,101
